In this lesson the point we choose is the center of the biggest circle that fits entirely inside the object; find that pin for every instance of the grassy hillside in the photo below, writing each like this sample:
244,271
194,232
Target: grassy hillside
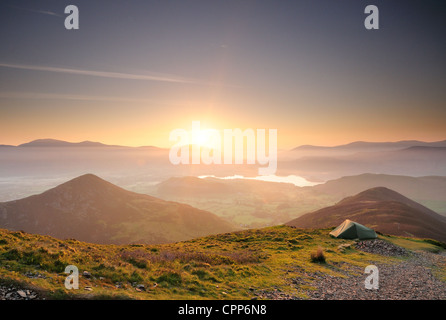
258,263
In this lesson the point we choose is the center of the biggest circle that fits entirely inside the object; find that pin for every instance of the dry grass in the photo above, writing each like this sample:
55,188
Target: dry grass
318,255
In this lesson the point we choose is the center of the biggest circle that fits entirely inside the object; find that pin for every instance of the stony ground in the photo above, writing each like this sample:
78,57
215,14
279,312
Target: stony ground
11,292
408,280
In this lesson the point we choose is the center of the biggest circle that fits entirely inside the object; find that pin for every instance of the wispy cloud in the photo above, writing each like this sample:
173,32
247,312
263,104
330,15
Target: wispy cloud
14,95
76,97
57,96
104,74
50,13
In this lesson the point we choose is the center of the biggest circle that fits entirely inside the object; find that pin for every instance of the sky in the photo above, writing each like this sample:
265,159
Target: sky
136,70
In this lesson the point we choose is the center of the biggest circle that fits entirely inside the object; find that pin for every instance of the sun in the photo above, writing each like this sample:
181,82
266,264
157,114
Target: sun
207,138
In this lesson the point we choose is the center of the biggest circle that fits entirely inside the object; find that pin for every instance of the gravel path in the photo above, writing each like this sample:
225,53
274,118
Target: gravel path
409,280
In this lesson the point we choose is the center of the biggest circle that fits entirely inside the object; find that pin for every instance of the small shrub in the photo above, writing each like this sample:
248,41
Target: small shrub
303,237
135,277
171,278
118,277
436,243
32,258
19,234
142,264
138,258
102,267
204,275
12,254
318,255
55,266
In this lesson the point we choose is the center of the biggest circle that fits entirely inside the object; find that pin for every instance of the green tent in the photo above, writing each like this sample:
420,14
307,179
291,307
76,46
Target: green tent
353,230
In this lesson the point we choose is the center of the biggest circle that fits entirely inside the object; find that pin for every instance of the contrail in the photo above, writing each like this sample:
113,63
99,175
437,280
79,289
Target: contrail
104,74
57,96
38,11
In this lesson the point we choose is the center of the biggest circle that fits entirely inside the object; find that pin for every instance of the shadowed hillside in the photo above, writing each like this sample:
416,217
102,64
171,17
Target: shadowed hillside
88,208
383,210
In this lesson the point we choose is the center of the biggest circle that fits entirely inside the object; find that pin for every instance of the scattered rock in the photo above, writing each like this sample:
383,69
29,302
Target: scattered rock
35,275
344,247
141,287
273,295
381,247
14,293
21,293
86,274
408,280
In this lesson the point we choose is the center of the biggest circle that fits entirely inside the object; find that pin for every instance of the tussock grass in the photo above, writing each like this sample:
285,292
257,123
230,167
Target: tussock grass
318,255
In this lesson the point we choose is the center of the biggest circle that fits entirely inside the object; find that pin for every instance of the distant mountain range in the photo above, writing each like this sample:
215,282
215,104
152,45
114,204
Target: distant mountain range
91,209
60,143
352,146
45,143
411,158
376,145
382,209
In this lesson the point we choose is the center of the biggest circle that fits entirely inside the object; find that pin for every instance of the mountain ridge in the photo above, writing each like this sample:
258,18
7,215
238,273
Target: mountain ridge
50,142
54,143
91,209
382,209
365,144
